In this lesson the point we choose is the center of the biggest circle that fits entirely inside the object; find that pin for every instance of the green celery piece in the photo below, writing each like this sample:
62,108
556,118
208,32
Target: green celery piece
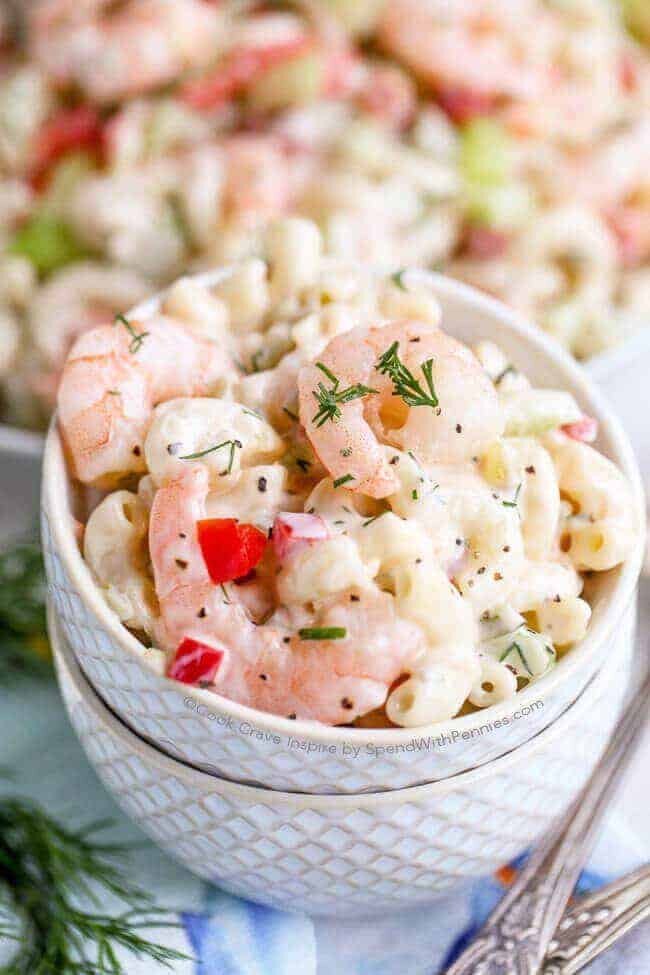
48,242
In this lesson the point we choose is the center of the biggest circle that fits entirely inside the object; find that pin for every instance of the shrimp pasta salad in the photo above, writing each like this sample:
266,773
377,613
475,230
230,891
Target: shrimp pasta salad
505,141
317,503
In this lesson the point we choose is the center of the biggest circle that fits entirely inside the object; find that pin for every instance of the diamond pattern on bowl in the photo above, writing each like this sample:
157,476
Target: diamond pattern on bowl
347,855
156,710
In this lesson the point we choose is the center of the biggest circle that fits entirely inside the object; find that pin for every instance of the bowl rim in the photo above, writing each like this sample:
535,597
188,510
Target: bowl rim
67,664
54,505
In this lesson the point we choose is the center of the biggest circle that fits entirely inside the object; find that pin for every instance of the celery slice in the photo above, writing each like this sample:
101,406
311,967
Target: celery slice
49,243
295,82
531,412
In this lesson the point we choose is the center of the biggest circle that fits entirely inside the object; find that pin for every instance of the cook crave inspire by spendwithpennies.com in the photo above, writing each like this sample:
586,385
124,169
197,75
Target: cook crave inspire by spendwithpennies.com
347,748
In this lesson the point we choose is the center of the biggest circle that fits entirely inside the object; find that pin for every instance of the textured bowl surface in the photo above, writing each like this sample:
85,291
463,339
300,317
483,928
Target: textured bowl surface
346,855
228,740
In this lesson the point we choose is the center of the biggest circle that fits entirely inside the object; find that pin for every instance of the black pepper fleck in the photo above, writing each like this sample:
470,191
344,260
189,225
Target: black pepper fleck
181,563
263,677
202,613
530,470
459,428
347,703
261,485
136,451
354,599
394,460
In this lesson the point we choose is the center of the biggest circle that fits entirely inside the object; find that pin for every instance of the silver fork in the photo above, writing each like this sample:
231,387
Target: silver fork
517,935
597,921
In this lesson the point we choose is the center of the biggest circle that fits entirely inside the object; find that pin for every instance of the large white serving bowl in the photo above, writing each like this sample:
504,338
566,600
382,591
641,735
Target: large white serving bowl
237,743
344,854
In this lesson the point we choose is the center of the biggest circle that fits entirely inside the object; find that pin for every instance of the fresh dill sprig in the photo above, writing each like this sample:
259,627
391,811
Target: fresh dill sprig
330,400
46,871
504,372
404,382
23,648
233,444
137,338
514,647
398,278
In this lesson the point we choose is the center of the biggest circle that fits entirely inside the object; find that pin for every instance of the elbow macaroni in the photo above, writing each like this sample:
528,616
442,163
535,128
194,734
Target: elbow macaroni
472,553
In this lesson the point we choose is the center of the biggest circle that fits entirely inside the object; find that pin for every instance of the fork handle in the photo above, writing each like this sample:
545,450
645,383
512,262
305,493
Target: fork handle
597,921
515,938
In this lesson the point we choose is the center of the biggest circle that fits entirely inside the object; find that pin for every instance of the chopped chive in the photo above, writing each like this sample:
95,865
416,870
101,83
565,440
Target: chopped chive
414,494
323,633
369,521
303,464
225,593
290,413
258,416
343,480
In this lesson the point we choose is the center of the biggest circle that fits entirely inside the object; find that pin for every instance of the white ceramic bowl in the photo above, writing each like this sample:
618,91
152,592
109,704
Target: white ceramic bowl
237,743
347,855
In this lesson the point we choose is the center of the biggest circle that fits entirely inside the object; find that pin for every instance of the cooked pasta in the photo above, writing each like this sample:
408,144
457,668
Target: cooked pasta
386,528
504,142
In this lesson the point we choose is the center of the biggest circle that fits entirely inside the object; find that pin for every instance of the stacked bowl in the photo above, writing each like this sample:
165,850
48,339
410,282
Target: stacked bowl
343,820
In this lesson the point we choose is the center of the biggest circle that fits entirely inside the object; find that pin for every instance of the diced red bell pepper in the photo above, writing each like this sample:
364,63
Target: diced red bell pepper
295,530
195,662
485,242
241,70
585,429
463,104
71,129
230,549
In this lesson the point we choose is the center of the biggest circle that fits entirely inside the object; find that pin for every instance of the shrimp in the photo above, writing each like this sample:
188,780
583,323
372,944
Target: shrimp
113,54
114,377
266,667
450,427
75,299
468,46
